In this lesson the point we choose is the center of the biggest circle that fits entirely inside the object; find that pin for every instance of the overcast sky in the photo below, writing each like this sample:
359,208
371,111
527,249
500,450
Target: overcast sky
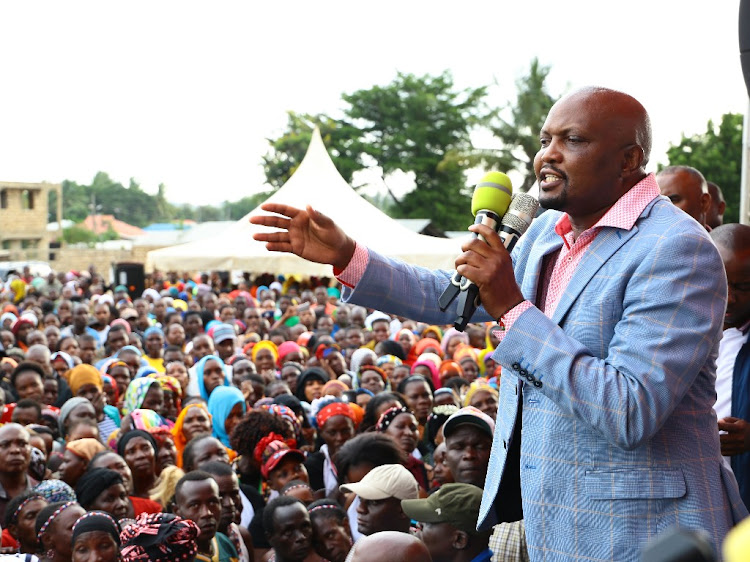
186,93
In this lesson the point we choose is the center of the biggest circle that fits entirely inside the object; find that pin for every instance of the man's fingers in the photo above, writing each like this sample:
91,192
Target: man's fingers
728,426
281,209
272,236
279,247
492,238
273,221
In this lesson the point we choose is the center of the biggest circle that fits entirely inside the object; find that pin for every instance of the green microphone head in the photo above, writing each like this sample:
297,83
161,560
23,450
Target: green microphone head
492,193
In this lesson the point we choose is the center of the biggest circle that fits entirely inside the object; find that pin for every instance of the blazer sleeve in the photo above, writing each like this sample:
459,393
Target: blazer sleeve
665,338
393,286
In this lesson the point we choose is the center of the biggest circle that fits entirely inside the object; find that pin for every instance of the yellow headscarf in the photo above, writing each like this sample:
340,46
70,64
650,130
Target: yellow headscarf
84,374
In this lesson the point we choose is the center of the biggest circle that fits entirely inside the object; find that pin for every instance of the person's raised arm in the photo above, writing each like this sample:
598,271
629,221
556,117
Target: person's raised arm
306,233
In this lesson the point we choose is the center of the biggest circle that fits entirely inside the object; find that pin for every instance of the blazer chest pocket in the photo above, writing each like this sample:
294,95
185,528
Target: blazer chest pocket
635,484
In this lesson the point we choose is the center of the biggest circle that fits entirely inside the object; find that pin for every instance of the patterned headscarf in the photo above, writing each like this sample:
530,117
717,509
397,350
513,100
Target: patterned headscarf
159,537
55,491
388,416
171,384
135,393
96,521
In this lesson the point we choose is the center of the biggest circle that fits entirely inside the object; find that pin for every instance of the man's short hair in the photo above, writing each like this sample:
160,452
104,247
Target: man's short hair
669,170
29,403
217,468
192,476
270,511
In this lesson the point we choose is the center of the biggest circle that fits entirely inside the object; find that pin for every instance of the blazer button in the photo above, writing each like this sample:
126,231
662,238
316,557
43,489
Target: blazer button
524,373
538,384
516,366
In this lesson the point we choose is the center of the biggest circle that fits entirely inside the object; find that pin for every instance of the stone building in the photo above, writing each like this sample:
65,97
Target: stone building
23,220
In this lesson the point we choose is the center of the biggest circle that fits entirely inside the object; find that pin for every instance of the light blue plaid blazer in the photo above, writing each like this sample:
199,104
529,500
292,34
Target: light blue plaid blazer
619,437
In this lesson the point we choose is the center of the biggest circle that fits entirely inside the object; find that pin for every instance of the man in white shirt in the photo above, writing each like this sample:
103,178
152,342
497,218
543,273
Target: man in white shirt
733,363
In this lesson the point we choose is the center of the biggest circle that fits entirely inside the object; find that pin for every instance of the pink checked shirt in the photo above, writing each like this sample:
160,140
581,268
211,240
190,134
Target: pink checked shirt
622,214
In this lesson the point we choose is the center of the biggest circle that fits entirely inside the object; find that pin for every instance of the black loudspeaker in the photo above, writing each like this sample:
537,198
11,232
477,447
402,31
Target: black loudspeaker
133,276
745,41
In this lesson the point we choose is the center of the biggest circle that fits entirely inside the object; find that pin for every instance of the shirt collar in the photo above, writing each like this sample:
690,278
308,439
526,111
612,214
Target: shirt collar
624,212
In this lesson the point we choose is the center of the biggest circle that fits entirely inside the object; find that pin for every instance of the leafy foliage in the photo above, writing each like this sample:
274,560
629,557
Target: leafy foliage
519,133
717,153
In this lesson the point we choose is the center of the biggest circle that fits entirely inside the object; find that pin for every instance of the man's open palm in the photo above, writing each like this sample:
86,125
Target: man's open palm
306,233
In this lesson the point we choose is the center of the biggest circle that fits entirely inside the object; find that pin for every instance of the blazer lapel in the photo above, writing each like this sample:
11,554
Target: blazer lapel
547,244
607,242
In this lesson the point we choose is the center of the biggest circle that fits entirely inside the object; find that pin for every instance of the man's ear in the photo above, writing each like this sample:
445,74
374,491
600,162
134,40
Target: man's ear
632,160
705,202
460,540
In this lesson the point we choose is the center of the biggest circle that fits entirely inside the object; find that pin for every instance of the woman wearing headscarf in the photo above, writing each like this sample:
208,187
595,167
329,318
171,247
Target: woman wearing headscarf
211,373
172,395
159,537
362,356
139,449
483,397
86,380
310,384
143,393
76,459
61,362
74,410
407,340
103,489
226,406
265,356
451,340
194,419
54,530
96,534
466,356
335,422
399,424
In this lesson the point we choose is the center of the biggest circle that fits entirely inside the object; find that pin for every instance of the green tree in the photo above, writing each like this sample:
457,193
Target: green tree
422,124
289,149
242,207
519,130
717,153
419,124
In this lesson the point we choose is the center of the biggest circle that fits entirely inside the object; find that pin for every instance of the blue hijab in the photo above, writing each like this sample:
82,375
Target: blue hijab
220,403
200,365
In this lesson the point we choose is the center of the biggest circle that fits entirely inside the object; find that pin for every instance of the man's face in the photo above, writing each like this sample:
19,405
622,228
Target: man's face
199,500
468,454
578,164
176,335
15,450
225,348
116,339
87,351
332,539
354,338
141,306
439,540
737,266
292,532
101,311
381,330
685,190
231,503
374,516
80,317
193,324
325,325
202,346
25,416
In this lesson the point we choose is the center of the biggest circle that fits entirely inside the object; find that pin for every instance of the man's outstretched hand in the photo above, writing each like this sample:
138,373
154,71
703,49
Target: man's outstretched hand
306,233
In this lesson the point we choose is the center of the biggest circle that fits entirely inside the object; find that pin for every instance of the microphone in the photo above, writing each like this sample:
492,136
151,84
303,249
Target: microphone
489,203
514,223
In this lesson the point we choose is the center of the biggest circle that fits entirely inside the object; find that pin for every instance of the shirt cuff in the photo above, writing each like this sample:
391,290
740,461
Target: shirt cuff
506,321
355,269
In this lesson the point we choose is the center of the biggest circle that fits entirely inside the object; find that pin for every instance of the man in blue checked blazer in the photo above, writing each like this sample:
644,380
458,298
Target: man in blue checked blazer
612,305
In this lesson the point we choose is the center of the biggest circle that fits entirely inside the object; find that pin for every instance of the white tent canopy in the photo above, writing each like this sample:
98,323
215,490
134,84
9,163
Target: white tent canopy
317,183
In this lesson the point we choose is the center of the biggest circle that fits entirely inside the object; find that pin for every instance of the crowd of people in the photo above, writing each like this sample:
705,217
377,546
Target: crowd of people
584,413
246,422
